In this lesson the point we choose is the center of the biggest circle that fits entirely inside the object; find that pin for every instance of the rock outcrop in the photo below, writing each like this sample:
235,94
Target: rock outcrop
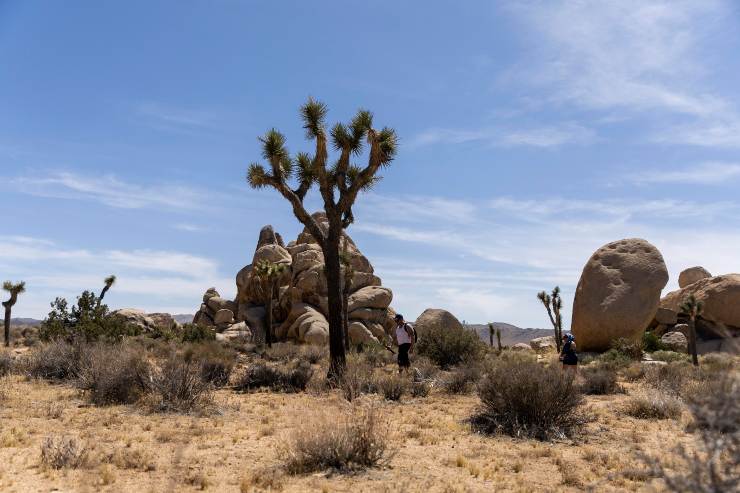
435,318
720,296
691,275
146,322
618,293
675,341
301,308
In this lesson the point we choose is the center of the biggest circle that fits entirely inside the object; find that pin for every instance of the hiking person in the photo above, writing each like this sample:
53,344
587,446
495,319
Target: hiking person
405,338
568,355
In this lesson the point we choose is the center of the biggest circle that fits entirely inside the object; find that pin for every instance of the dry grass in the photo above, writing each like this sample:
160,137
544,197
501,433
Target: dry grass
58,452
653,405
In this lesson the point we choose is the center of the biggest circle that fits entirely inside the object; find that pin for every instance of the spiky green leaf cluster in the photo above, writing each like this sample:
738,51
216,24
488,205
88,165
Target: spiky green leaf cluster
110,280
313,114
14,288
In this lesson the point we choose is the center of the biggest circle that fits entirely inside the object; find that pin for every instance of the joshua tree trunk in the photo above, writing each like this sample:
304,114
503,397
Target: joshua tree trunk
692,342
498,339
8,307
490,334
102,293
333,273
345,315
268,312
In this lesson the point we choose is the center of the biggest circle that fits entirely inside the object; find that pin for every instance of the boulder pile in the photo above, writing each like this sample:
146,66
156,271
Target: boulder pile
300,308
146,322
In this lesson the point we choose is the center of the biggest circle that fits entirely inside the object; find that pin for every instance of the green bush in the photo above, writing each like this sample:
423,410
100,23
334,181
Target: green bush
651,342
615,359
522,398
669,356
88,320
196,333
448,346
628,347
461,380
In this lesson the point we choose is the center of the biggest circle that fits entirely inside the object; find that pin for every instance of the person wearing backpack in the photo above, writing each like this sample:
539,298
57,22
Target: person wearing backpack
405,338
568,355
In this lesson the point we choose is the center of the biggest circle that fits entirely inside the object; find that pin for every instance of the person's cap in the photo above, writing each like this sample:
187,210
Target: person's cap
398,317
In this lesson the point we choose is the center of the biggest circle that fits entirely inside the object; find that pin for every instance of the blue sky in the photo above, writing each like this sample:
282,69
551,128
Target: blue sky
531,134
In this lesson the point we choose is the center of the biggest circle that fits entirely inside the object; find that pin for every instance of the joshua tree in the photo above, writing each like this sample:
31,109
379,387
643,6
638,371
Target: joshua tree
348,274
491,331
338,183
109,281
268,274
14,290
553,304
693,308
498,339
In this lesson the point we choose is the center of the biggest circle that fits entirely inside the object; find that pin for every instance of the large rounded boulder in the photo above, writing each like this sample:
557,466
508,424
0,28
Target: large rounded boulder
691,275
436,318
618,293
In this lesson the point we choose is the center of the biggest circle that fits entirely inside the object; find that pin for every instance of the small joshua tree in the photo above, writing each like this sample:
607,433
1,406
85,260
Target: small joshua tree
348,273
109,281
14,290
491,331
498,339
339,185
692,308
268,274
553,304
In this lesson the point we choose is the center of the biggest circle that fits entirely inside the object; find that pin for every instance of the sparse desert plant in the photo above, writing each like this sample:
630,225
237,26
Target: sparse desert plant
420,389
718,362
282,351
216,361
692,308
14,289
425,369
313,354
6,363
449,346
260,375
63,452
376,355
713,465
671,378
113,374
392,386
178,387
669,356
462,379
599,380
553,304
614,359
520,397
651,342
55,360
653,405
357,378
628,347
343,441
339,185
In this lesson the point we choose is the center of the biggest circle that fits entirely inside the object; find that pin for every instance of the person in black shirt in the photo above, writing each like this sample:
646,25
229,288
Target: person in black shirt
568,355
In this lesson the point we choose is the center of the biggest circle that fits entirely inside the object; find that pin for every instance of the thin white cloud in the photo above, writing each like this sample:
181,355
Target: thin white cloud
634,56
711,173
108,190
189,228
172,117
549,136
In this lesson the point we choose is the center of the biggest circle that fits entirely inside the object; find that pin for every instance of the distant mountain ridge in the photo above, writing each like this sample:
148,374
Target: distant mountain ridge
510,334
182,318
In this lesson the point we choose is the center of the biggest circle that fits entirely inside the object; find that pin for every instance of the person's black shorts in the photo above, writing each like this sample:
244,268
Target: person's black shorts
403,355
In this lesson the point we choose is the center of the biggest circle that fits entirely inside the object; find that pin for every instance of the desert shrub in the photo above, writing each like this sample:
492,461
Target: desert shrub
215,360
448,346
261,375
113,374
599,381
357,378
313,354
669,356
524,398
628,347
671,378
343,441
282,351
420,389
58,452
391,386
461,380
718,362
653,405
425,369
377,356
196,333
88,320
615,359
6,364
55,360
177,386
713,464
651,342
634,372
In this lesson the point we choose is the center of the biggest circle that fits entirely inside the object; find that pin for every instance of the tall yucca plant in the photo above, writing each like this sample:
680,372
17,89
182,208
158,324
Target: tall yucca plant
553,304
14,289
692,308
268,274
339,185
109,282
